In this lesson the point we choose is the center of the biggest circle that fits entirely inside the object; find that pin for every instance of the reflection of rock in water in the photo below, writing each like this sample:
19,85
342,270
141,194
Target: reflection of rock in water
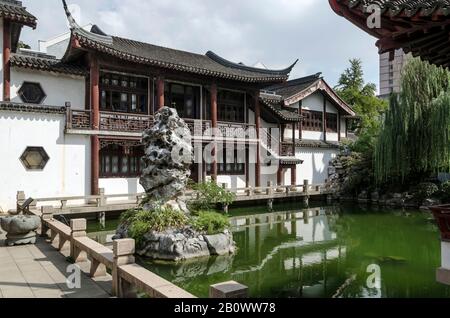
206,266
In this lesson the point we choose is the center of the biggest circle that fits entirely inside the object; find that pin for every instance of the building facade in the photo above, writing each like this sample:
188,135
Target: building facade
73,125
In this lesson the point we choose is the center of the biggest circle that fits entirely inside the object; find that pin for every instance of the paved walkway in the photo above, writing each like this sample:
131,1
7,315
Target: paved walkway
39,271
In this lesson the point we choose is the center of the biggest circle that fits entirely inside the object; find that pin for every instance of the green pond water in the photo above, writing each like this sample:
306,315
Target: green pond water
318,252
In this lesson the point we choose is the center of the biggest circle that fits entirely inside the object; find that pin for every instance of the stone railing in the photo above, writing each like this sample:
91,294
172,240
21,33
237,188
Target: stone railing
128,278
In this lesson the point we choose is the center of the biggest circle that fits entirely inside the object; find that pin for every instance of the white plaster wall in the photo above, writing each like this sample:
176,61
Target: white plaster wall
66,174
343,127
121,186
445,255
313,102
1,59
232,182
315,165
59,88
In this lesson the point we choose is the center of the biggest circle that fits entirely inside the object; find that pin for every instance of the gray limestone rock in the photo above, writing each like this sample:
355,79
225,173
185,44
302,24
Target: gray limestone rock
167,160
220,244
185,244
20,229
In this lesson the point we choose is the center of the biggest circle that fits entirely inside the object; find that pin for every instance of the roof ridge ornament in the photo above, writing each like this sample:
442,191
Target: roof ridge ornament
75,27
216,58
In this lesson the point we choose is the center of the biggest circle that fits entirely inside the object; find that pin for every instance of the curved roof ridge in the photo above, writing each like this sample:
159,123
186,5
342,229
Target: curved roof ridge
215,57
75,27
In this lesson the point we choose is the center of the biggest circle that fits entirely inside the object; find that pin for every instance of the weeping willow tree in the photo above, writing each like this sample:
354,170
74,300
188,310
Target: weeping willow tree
415,136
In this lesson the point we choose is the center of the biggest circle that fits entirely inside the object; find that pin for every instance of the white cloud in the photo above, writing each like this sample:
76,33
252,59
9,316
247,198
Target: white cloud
275,32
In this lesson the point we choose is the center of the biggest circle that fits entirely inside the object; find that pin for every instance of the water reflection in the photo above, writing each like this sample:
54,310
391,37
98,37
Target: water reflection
321,252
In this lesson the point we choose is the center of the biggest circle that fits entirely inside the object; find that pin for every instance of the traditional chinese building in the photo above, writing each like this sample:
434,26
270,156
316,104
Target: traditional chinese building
72,125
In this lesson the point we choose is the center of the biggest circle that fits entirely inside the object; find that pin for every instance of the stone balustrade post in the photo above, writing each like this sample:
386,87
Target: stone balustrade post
78,229
443,273
102,200
46,215
306,186
225,207
20,199
123,251
229,289
269,188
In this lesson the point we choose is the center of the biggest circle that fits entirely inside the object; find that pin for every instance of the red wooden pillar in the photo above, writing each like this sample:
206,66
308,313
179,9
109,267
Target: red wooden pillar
160,92
300,124
214,124
95,124
95,164
293,139
294,175
339,126
6,62
258,146
324,118
280,175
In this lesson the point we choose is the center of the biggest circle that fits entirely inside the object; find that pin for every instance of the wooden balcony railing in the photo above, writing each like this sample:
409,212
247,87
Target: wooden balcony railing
287,150
124,122
237,130
135,123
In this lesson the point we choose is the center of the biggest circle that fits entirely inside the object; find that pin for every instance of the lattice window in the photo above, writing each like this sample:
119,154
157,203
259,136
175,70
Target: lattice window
32,93
34,158
120,162
313,121
332,123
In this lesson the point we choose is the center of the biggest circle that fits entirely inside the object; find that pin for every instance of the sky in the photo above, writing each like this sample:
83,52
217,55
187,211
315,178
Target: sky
273,32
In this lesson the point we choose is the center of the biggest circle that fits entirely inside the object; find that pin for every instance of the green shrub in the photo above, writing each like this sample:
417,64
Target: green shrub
141,222
445,191
425,191
209,195
210,222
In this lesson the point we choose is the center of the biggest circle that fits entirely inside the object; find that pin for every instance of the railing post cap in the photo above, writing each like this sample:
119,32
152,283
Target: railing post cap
229,289
124,247
78,224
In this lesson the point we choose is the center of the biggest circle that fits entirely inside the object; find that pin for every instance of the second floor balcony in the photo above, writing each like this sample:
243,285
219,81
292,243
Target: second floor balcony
134,124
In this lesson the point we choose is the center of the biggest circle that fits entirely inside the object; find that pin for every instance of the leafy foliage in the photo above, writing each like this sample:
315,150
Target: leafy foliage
210,222
141,222
425,191
362,97
415,136
358,173
445,191
209,195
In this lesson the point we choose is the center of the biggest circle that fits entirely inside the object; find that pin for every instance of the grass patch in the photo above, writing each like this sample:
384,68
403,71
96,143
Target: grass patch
210,222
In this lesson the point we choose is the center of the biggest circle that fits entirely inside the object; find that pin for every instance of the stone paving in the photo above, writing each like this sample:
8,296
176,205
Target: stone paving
39,271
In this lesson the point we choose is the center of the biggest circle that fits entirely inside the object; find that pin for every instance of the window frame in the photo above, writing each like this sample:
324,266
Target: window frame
312,121
139,90
110,151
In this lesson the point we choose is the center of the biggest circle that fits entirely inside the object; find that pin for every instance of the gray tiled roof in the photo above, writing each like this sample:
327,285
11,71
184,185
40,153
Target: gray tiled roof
46,64
278,109
14,11
209,64
290,88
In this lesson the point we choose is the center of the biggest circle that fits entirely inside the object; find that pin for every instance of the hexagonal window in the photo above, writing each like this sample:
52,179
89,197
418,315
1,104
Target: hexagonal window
32,93
34,158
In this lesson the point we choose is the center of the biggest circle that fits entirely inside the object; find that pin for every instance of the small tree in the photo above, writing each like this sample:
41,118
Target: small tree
209,195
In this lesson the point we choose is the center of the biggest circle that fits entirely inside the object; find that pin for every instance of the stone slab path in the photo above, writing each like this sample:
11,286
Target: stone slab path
39,271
